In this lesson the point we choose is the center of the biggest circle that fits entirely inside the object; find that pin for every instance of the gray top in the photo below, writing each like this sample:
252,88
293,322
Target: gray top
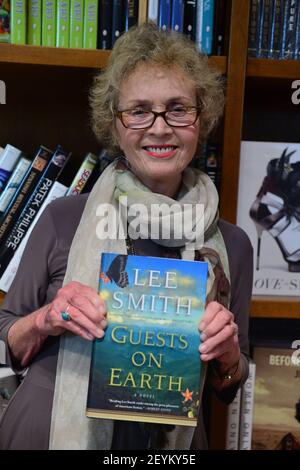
41,274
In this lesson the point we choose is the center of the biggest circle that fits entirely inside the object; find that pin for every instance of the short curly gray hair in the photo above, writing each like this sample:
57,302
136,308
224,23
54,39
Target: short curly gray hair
147,44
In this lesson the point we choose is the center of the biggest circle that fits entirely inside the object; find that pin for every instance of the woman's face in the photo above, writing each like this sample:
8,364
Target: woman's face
158,155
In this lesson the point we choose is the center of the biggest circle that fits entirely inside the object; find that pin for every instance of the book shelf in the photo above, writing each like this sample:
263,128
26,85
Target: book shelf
50,86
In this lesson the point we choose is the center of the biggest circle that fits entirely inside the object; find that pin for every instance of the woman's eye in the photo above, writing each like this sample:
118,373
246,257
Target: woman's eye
178,110
138,112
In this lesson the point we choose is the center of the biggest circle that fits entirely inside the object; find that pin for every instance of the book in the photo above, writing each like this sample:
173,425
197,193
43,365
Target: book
13,183
276,420
4,20
62,23
18,19
90,24
83,174
34,22
104,24
267,193
57,190
246,410
76,23
48,23
233,423
147,367
8,160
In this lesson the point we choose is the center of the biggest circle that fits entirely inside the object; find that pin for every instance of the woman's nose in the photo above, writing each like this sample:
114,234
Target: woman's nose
160,127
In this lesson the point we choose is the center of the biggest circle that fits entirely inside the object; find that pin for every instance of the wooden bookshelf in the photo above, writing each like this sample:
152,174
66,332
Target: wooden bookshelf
275,307
267,68
81,58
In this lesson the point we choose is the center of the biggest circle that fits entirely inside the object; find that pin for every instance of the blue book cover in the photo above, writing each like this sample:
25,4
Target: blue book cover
147,367
207,26
177,15
164,14
275,29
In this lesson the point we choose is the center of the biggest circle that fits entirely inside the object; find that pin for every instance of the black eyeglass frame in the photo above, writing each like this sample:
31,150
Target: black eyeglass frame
156,114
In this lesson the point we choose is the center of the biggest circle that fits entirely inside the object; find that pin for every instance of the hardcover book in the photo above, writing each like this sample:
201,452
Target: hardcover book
268,211
147,367
276,420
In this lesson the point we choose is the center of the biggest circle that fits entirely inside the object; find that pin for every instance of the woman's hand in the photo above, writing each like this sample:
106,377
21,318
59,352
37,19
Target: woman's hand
86,311
219,335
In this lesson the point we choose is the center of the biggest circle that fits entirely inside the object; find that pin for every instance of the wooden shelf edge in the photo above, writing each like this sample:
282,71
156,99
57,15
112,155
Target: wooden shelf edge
268,68
54,56
275,307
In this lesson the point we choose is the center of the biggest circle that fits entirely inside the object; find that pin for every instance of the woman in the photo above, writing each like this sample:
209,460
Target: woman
154,104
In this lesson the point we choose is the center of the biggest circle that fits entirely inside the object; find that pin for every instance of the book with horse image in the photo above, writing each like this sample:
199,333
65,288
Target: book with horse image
147,367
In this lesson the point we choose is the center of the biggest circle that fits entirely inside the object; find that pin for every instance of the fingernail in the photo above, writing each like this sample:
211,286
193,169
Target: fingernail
203,336
203,348
103,323
100,333
202,326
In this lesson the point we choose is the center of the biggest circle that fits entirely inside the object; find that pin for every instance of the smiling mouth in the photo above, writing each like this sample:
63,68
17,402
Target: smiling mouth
160,151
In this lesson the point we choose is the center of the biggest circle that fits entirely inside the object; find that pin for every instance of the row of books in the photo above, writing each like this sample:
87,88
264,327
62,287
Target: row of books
27,188
274,29
265,414
96,24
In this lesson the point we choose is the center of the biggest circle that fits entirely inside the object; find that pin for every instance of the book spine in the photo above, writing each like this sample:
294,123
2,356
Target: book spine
34,23
219,27
105,25
253,27
48,23
153,11
8,161
32,207
131,13
164,15
199,24
5,21
297,45
118,24
76,24
90,24
62,23
18,22
207,26
289,30
276,15
23,193
233,423
177,15
189,20
82,175
265,31
13,183
246,417
143,13
57,190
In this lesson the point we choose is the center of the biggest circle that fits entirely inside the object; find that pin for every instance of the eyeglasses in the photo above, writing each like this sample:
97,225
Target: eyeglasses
139,118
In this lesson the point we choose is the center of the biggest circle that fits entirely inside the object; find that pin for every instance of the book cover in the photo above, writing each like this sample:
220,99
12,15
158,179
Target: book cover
268,199
76,24
8,160
131,13
34,22
143,12
118,20
233,423
177,15
90,24
164,15
246,411
4,20
104,24
48,23
18,19
276,420
13,183
207,26
147,367
83,174
190,19
62,23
